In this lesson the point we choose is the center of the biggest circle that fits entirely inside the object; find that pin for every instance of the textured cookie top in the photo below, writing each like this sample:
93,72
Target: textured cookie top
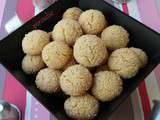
76,80
141,55
124,62
32,64
107,85
47,80
72,13
115,37
56,54
82,107
92,21
34,41
67,30
90,51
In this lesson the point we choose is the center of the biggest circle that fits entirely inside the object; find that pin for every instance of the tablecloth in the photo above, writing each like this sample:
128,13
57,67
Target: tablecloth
136,107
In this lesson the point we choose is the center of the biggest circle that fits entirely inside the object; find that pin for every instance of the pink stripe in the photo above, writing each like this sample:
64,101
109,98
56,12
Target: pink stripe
149,13
15,93
125,8
25,10
2,6
157,74
47,1
144,100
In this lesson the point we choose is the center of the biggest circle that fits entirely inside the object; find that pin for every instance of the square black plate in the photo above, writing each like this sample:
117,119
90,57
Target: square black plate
140,36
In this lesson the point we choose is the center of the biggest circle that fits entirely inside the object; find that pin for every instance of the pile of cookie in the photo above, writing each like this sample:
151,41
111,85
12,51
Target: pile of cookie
85,58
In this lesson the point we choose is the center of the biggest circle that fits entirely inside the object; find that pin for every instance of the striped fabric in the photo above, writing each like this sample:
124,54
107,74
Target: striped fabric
148,90
137,107
2,10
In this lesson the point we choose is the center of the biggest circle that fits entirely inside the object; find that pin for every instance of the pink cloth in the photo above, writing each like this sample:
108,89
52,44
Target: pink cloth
15,93
149,13
2,6
25,10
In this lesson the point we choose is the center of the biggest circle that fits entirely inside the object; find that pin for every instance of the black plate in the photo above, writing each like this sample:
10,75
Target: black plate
140,36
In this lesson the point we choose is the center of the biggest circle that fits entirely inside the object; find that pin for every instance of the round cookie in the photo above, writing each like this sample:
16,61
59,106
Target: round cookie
141,55
76,80
92,21
82,107
90,51
115,37
56,54
67,30
32,64
72,13
124,62
34,41
107,86
47,80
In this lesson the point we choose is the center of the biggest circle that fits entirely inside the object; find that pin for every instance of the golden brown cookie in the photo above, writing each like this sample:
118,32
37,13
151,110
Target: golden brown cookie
34,41
82,107
76,80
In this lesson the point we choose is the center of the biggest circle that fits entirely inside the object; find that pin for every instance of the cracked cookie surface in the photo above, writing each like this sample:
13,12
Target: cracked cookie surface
32,64
47,80
56,54
82,107
124,62
72,13
115,37
76,80
107,85
67,30
34,41
90,51
92,21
